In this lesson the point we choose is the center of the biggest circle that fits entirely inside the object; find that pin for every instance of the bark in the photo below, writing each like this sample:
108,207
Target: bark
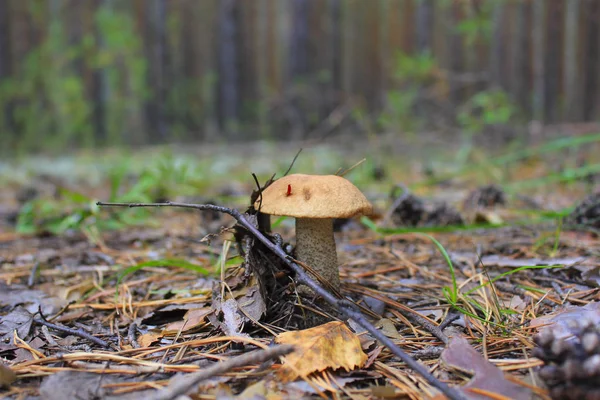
261,57
384,49
298,55
228,67
552,61
455,56
519,66
539,67
158,64
424,26
5,56
497,46
572,110
348,46
591,98
335,45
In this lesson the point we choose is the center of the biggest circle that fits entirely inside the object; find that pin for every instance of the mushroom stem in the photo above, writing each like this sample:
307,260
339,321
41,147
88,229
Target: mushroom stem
315,246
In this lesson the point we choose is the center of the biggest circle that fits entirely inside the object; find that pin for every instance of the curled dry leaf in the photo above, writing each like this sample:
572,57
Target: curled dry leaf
488,380
147,339
192,319
331,345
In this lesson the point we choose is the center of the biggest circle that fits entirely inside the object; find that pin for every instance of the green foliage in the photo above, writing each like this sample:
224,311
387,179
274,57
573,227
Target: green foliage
468,302
47,98
71,210
484,109
118,57
411,73
478,26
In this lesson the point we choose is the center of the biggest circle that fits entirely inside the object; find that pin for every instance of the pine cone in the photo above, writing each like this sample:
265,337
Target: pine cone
571,363
410,211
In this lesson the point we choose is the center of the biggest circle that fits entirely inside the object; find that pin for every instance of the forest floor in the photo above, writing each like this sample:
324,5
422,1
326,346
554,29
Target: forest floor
462,263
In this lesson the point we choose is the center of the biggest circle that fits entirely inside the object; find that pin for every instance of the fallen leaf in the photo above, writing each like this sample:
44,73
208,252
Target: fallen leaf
7,375
331,345
248,306
20,320
167,314
76,292
147,339
32,300
232,319
85,386
192,319
488,378
388,328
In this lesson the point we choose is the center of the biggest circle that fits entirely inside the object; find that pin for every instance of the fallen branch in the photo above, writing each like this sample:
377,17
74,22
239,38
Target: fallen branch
346,307
75,332
183,384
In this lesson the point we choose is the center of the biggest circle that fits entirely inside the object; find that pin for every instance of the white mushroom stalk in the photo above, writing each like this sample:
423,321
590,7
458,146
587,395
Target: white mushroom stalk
315,246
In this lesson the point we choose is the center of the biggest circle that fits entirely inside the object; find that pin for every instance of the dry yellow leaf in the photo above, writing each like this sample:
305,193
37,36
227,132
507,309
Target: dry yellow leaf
191,320
331,345
147,339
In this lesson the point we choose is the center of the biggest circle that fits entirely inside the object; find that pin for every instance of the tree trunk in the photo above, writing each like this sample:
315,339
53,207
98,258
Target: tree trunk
519,66
455,56
228,67
552,61
261,56
497,68
298,55
572,109
424,26
384,50
591,98
539,67
5,59
158,64
348,32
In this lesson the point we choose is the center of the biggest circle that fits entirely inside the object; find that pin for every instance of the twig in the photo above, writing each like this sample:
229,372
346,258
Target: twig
131,335
32,275
342,172
70,331
349,309
293,162
181,385
450,318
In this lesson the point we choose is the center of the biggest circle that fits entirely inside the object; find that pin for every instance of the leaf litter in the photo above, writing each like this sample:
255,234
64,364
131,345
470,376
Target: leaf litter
164,321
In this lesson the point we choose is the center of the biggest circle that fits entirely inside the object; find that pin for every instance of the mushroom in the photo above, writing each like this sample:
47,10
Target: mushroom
315,200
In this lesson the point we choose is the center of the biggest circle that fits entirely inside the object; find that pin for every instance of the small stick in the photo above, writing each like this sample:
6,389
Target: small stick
32,275
349,309
181,385
341,172
293,162
75,332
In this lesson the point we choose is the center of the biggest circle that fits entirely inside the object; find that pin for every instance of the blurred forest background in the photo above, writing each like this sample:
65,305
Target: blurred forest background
89,73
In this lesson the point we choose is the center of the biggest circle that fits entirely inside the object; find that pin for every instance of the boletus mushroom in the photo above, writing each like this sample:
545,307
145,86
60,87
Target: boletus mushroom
315,200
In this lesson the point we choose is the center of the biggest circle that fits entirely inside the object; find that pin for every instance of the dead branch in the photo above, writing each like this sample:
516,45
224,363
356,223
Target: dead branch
75,332
181,385
345,307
